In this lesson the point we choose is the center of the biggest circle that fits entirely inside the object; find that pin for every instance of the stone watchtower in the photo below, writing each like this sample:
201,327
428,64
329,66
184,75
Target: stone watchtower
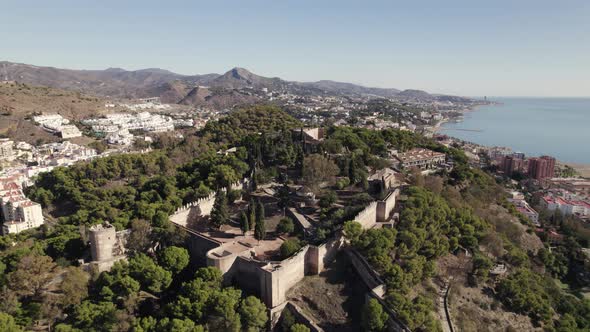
103,239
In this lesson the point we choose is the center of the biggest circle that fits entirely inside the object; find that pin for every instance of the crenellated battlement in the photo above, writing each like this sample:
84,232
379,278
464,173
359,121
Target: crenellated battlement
205,204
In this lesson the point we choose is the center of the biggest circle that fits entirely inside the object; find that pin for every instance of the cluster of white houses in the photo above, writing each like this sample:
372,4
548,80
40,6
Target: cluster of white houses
145,121
18,212
57,124
62,154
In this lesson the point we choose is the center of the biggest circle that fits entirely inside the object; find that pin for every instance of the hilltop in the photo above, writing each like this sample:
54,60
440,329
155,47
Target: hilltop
175,88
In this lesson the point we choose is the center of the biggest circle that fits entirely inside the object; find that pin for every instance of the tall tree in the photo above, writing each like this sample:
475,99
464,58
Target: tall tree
289,247
317,168
174,259
260,227
224,316
373,316
152,277
74,286
252,213
139,238
220,213
253,313
286,226
32,275
283,196
244,223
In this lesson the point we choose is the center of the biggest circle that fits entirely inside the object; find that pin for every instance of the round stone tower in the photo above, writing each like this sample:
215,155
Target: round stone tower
102,241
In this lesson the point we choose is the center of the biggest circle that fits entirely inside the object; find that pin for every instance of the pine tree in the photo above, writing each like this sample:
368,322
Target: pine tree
254,182
220,213
244,223
260,229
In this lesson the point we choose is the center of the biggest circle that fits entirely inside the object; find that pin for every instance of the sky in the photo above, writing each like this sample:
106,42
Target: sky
462,47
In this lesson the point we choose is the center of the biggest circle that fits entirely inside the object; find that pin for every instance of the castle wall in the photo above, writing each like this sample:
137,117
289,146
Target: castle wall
206,205
376,289
247,273
222,260
279,277
198,246
386,206
369,277
319,256
202,206
368,216
377,211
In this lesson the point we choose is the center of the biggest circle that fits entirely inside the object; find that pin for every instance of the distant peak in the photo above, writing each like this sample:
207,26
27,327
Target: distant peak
239,73
155,70
240,70
115,69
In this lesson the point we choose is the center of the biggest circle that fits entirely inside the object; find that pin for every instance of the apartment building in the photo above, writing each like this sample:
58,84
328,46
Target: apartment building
421,158
19,213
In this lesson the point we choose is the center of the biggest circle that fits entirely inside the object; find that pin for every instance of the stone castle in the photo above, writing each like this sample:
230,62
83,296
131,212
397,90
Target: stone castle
240,257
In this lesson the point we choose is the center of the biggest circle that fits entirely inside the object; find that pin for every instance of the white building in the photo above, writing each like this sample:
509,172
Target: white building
70,131
523,207
565,206
121,137
6,151
19,212
48,118
56,124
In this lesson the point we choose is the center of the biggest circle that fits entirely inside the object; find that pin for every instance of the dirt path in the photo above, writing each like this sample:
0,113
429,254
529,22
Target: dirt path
442,312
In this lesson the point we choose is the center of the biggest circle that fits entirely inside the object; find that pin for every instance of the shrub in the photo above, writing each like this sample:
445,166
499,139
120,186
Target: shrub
286,226
289,247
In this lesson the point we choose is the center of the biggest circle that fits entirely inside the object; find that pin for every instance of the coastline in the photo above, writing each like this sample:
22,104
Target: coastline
583,169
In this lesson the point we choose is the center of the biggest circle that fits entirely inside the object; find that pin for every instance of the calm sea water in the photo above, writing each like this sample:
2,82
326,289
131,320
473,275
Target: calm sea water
558,127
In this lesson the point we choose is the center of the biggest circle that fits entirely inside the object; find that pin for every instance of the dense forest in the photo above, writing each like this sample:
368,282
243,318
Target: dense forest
436,219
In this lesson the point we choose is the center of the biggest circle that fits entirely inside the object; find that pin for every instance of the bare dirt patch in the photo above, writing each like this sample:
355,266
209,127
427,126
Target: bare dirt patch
334,298
473,309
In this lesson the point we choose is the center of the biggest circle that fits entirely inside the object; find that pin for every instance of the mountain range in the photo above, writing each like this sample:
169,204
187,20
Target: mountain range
221,90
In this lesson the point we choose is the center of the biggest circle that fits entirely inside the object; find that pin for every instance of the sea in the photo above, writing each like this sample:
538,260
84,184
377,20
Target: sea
558,127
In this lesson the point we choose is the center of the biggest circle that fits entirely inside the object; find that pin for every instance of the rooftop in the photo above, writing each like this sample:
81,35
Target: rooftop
419,154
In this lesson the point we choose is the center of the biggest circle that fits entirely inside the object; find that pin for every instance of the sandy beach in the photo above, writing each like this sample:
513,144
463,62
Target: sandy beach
582,169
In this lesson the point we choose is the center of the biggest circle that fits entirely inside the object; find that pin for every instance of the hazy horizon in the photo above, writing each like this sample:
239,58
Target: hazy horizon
458,47
287,79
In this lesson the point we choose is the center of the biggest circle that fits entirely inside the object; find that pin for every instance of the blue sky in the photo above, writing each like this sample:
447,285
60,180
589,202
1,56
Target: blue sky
465,47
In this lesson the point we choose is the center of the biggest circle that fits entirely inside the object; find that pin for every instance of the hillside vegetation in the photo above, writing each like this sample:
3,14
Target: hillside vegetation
441,216
19,102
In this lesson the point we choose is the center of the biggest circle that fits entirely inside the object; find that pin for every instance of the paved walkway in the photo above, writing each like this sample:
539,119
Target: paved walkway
443,311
